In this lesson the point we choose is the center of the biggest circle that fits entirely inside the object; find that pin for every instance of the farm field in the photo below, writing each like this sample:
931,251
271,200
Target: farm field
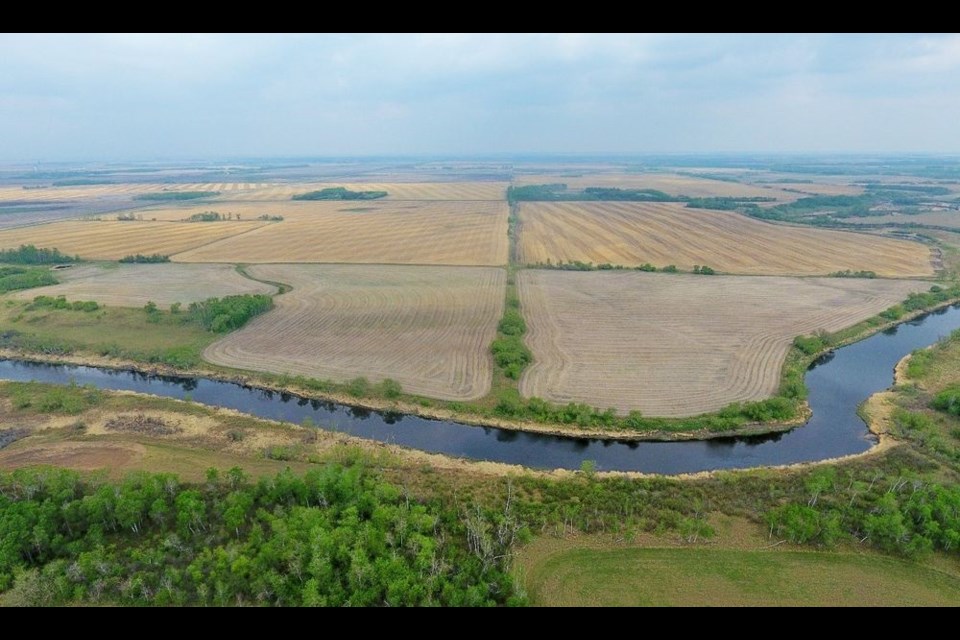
671,183
453,233
112,240
678,345
133,285
312,210
932,218
631,234
395,190
722,577
429,328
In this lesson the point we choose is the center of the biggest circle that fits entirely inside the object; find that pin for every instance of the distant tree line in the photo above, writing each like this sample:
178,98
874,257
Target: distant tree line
340,193
139,258
176,195
29,254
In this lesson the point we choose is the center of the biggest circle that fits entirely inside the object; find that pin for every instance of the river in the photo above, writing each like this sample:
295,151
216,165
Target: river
838,383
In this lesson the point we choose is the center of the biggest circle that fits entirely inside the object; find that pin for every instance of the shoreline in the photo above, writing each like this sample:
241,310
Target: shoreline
252,380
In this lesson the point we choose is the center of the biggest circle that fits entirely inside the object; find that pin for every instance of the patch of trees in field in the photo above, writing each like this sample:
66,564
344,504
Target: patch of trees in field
333,537
558,192
30,254
847,273
139,258
269,218
167,196
61,303
340,193
16,278
211,216
220,315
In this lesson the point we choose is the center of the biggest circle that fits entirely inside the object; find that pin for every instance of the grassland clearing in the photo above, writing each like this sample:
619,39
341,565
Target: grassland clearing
632,234
428,328
111,240
133,285
455,233
678,345
732,577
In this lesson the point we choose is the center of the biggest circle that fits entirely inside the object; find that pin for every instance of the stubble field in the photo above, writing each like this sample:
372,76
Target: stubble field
452,233
133,285
429,328
112,240
678,345
631,234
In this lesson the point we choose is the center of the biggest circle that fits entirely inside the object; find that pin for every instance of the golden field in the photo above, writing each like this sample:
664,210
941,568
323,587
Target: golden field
133,285
112,240
429,328
631,233
675,344
454,233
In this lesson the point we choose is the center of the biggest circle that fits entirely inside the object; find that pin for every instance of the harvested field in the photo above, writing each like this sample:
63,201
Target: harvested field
111,240
678,345
932,218
634,233
453,233
314,210
133,285
395,190
429,328
672,183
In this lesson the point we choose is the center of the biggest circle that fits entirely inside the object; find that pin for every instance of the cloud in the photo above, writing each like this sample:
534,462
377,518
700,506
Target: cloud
117,96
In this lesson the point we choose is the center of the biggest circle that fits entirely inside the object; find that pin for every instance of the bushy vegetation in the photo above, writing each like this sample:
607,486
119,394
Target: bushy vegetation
60,302
210,216
340,193
139,258
333,537
44,398
269,218
853,274
558,192
17,278
220,315
166,196
703,270
901,515
29,254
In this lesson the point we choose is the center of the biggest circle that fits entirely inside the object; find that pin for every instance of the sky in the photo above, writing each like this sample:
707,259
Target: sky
67,97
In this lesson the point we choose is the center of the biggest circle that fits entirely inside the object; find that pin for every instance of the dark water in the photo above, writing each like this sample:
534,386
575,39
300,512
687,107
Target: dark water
838,384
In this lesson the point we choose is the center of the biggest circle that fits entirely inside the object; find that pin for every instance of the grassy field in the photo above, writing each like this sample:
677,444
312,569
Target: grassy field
116,331
721,577
429,328
133,285
631,234
676,344
112,240
454,233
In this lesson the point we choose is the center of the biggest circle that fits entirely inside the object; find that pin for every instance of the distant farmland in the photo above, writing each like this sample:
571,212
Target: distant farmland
133,285
634,233
676,345
429,328
111,240
453,233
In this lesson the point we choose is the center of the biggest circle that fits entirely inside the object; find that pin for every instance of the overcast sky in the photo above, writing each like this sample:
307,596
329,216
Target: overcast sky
111,97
